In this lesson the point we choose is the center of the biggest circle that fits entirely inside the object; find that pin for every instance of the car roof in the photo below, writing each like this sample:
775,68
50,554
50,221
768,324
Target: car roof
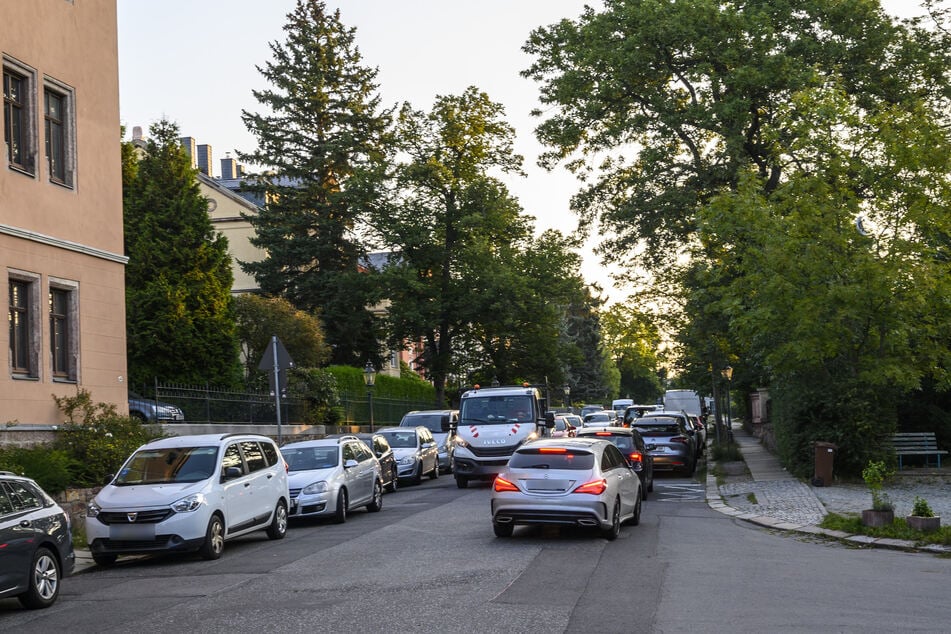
431,411
594,431
200,440
400,430
322,442
568,443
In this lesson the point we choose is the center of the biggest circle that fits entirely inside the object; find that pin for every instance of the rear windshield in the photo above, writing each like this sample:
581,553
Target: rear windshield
534,459
657,427
308,458
624,443
173,464
401,439
432,422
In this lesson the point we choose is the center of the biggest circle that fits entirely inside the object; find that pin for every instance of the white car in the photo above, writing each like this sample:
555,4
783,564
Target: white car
331,476
190,493
578,481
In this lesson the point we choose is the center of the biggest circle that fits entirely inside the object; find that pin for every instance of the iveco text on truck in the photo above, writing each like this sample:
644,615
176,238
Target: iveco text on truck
493,423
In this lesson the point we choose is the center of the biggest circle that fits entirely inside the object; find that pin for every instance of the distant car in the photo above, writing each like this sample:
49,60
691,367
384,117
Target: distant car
587,409
151,411
415,451
565,426
697,433
389,471
582,482
674,448
36,543
636,411
332,476
442,423
632,447
601,418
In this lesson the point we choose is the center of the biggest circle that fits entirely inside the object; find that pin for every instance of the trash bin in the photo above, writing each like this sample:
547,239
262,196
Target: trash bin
825,452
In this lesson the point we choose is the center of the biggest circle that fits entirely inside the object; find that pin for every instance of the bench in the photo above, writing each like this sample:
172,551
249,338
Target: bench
917,444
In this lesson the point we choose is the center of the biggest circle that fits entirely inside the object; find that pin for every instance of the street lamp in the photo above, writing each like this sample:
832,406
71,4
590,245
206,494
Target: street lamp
369,375
567,389
727,373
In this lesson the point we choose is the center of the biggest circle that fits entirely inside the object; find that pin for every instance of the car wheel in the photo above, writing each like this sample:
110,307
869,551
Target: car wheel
418,474
104,560
503,530
643,491
462,482
452,465
44,581
611,533
394,481
214,543
636,518
278,527
376,503
139,416
434,474
650,487
340,516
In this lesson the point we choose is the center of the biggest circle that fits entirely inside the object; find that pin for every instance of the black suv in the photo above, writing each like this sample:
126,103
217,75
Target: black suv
632,446
36,543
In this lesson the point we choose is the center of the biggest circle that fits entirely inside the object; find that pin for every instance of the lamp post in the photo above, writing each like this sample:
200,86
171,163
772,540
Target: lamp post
727,373
369,375
567,389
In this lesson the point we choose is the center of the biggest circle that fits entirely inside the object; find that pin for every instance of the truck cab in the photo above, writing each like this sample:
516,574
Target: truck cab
493,423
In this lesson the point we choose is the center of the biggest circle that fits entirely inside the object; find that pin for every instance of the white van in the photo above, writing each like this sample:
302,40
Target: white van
190,493
686,400
619,405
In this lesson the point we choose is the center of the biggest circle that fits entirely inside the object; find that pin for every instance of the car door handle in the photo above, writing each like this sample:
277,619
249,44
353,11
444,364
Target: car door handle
270,475
247,484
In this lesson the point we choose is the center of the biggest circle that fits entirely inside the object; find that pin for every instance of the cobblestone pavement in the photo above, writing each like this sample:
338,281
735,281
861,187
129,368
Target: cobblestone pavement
786,500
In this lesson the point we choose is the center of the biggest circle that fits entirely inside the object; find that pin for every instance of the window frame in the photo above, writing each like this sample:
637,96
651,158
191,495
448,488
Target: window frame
69,371
28,140
33,334
66,121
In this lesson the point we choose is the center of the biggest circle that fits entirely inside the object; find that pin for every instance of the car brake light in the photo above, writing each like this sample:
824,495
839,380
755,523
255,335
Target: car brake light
636,456
602,433
501,484
552,450
680,439
595,487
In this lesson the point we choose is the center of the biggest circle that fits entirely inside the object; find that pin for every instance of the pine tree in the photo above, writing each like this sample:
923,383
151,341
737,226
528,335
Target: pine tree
179,311
322,133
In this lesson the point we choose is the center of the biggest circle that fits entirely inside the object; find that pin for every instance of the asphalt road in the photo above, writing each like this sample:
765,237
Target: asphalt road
429,563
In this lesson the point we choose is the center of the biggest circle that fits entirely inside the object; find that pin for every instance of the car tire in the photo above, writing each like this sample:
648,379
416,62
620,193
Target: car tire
614,530
643,491
139,416
104,560
636,518
214,543
376,504
417,475
394,482
462,482
434,474
278,526
503,530
340,515
650,487
45,576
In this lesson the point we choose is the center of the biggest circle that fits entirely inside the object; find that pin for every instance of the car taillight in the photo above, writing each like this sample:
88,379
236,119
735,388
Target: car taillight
680,439
595,487
635,456
501,484
552,450
602,433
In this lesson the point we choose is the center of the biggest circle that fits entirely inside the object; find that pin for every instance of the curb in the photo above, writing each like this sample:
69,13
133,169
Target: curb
715,502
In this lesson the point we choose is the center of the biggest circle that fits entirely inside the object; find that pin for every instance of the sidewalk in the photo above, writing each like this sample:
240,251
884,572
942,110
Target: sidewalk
773,498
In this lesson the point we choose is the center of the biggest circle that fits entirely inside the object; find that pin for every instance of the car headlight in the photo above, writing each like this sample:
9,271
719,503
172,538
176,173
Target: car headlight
460,441
407,460
316,487
92,510
188,504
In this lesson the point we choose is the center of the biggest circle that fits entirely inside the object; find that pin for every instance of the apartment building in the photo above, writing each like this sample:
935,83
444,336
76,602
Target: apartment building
61,242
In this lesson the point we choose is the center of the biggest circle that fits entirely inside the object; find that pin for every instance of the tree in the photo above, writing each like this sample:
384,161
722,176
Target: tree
320,134
633,340
179,311
259,318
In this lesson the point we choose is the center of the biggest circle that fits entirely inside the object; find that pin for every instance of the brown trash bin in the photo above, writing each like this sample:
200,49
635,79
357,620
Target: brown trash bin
825,452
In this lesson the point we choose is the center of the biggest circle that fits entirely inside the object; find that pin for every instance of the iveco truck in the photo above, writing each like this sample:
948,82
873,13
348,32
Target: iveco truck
493,423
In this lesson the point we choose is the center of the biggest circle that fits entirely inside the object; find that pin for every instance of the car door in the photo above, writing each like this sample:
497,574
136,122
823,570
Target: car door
16,537
355,474
236,490
615,467
262,480
429,450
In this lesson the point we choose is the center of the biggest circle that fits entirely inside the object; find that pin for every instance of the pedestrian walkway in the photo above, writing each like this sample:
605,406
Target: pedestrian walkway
775,499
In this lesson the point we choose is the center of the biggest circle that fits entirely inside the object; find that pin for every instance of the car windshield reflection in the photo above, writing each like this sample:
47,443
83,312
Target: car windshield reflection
174,464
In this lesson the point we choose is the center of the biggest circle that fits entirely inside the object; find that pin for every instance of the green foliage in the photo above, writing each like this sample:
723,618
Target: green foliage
875,474
899,529
921,508
51,468
180,322
633,338
318,388
350,380
96,438
301,333
319,137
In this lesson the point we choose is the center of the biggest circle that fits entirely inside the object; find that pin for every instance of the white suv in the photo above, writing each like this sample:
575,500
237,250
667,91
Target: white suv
189,493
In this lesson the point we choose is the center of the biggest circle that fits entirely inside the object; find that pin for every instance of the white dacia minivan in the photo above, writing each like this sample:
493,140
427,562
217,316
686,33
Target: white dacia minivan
190,493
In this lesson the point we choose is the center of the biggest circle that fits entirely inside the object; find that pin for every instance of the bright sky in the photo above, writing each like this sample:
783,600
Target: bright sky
193,62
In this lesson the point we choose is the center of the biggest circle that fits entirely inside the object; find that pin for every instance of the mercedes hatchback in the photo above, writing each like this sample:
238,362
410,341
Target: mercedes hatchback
569,482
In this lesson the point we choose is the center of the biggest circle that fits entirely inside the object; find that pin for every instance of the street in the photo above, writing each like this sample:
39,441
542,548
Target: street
430,563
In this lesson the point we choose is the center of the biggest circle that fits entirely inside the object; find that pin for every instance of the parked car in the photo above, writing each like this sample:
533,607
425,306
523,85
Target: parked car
633,448
149,410
674,448
389,471
36,543
601,418
415,451
190,493
566,425
566,481
332,476
442,423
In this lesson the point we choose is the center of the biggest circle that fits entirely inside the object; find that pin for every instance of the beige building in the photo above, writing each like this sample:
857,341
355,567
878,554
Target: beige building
225,209
61,244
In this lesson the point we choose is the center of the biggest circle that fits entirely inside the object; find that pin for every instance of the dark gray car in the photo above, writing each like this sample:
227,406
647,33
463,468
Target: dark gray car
674,446
36,543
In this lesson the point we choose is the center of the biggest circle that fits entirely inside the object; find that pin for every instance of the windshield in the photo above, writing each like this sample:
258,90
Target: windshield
172,464
402,439
310,458
497,410
432,422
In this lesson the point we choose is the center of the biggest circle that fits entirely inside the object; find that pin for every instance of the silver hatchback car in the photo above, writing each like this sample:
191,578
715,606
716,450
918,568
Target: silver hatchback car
566,481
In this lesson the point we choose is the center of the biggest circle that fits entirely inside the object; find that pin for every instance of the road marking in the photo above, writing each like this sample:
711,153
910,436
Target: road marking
678,492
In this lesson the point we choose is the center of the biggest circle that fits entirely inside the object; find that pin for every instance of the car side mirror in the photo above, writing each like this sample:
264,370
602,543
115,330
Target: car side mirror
232,472
549,419
445,424
650,447
109,478
349,464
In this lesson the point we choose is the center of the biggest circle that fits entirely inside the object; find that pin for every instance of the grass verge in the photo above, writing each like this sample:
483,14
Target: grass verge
898,529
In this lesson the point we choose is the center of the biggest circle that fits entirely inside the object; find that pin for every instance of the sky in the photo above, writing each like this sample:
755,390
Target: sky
194,63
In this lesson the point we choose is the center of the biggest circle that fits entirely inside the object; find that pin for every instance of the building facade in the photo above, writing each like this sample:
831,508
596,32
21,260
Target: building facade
61,234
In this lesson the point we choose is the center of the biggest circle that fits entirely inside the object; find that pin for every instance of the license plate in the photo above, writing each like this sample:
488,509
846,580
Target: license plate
130,532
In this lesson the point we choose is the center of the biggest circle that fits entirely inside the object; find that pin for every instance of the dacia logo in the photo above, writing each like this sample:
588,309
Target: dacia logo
131,517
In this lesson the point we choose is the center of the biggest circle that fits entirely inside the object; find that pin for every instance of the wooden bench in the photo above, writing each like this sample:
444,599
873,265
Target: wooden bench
917,444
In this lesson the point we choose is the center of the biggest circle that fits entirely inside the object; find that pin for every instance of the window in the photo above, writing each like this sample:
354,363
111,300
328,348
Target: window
253,456
18,130
232,458
57,116
23,311
64,330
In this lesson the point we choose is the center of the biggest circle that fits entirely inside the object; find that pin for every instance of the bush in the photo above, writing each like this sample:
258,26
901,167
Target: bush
51,468
97,439
318,389
921,508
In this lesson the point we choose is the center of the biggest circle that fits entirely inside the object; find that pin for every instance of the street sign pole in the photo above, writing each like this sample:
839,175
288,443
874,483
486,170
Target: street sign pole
277,388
